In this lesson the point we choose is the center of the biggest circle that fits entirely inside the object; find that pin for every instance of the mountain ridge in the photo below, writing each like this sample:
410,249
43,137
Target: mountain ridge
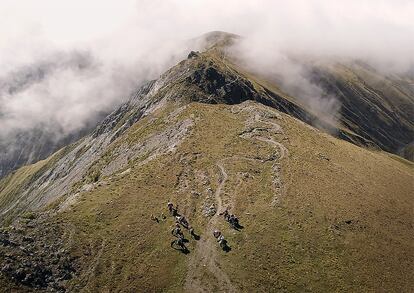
209,136
203,78
383,129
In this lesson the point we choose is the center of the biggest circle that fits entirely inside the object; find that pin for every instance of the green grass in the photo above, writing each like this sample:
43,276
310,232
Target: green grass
292,247
343,224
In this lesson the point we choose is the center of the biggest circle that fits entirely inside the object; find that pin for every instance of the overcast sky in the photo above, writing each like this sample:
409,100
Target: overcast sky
64,61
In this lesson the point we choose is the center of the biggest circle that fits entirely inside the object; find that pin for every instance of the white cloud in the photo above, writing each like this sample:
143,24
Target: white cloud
131,41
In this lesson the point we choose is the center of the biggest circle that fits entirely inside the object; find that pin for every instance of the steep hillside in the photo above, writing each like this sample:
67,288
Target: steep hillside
377,107
29,147
206,78
371,108
318,213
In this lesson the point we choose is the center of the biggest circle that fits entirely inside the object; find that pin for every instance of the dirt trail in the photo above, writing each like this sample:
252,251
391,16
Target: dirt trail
255,130
277,181
282,149
204,259
204,272
89,273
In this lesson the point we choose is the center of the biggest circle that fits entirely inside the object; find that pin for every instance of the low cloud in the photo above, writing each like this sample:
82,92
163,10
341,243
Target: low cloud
64,63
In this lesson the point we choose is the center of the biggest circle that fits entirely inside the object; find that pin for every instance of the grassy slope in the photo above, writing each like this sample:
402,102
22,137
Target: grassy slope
343,223
15,183
374,107
302,244
19,181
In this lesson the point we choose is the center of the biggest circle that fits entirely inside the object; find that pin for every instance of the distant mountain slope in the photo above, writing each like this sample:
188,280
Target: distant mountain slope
31,146
319,214
31,143
377,107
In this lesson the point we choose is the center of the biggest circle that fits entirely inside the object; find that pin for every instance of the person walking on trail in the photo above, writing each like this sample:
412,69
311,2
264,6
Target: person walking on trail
176,231
233,220
182,220
226,215
173,211
192,233
170,207
179,244
220,239
216,234
180,241
154,218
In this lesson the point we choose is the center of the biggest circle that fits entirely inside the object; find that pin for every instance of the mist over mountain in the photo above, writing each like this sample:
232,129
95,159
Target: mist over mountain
237,146
89,66
58,75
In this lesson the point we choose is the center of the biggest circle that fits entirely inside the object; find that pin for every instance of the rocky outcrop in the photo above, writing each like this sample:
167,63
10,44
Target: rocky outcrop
34,255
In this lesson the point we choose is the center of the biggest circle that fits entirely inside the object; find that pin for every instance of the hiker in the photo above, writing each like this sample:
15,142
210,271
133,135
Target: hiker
176,231
193,234
216,233
180,241
173,211
226,215
154,218
182,220
179,245
222,242
170,206
234,221
220,239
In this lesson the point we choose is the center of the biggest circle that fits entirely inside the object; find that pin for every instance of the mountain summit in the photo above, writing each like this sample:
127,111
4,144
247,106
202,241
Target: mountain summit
319,210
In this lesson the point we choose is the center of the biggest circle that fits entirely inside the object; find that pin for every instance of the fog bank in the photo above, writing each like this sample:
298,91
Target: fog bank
62,63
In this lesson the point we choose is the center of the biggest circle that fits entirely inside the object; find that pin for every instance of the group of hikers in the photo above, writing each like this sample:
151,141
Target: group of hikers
181,222
231,219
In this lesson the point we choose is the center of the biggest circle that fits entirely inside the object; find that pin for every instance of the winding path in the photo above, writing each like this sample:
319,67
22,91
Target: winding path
255,132
205,255
204,272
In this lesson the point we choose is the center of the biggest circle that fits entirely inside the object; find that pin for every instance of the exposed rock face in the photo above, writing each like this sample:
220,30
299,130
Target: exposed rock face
34,255
408,151
133,109
193,54
218,83
221,86
376,109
